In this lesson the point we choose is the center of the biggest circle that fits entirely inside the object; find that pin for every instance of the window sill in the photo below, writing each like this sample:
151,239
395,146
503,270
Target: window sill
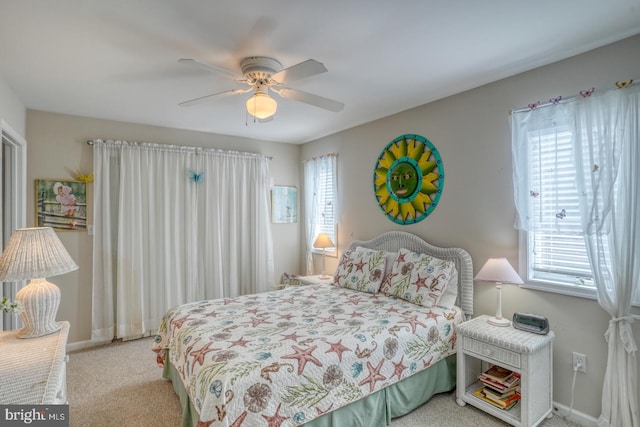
332,254
564,289
557,288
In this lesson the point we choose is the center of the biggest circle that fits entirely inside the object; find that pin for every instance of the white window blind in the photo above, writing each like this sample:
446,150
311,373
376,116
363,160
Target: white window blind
556,249
327,203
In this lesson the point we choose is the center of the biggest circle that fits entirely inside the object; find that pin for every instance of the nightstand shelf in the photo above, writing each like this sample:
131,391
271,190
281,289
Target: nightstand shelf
481,345
513,413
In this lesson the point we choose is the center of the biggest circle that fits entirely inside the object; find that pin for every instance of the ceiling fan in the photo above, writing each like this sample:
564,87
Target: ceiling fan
263,75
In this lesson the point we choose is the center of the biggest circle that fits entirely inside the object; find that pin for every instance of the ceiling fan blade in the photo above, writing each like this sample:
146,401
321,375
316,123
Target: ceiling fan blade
208,67
309,98
203,98
308,68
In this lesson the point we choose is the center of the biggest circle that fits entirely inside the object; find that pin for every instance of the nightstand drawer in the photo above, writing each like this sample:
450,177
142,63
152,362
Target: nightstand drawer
491,351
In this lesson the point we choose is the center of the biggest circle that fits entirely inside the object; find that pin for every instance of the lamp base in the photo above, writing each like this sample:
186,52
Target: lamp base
40,300
495,321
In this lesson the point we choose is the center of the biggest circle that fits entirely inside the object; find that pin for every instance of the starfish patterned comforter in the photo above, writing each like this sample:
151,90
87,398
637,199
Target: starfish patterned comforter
286,357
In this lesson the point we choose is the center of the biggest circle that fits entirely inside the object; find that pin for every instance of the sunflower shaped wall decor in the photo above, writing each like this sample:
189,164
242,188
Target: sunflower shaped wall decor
408,179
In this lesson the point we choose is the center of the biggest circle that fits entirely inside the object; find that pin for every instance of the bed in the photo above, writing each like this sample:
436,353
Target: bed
357,352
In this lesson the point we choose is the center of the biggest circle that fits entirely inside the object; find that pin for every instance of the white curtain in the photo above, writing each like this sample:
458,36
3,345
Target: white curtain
607,153
605,132
314,170
175,225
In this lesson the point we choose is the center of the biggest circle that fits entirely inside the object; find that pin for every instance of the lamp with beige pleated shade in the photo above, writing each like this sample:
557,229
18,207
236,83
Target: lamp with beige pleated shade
323,241
498,271
34,254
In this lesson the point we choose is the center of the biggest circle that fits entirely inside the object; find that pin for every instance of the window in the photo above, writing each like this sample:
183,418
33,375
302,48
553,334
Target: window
555,251
326,205
320,190
562,164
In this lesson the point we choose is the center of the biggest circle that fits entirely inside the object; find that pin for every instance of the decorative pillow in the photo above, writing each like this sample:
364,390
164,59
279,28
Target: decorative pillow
361,270
390,256
450,294
418,278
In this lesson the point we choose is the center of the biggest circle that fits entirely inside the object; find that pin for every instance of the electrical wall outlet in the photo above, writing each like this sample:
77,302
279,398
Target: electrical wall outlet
579,362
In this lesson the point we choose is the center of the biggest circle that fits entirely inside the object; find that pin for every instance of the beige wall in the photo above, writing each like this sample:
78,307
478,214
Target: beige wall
57,147
476,212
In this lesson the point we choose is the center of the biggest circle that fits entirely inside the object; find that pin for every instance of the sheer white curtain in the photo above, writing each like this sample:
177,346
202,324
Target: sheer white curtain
314,170
605,136
174,225
607,153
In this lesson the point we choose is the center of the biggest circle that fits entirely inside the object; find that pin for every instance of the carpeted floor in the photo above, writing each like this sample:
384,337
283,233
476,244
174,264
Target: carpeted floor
120,385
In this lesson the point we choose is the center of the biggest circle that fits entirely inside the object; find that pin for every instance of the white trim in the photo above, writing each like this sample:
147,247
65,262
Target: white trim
82,345
18,163
560,288
14,211
333,253
580,418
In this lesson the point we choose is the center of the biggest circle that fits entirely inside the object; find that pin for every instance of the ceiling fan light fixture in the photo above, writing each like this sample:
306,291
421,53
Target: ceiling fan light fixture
261,105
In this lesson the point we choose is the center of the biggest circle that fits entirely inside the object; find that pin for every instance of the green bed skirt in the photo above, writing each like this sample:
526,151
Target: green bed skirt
376,410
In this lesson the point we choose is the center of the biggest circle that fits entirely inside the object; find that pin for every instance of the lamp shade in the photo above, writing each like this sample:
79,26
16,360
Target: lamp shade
498,270
323,241
261,105
33,253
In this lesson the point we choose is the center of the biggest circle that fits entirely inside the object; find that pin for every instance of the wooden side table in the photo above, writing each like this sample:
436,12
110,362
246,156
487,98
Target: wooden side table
33,370
481,345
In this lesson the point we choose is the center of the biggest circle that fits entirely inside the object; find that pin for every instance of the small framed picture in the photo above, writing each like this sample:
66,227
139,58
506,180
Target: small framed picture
61,204
284,204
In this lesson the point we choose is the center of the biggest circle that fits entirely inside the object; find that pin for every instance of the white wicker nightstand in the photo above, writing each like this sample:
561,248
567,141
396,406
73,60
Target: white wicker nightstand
33,370
481,345
314,280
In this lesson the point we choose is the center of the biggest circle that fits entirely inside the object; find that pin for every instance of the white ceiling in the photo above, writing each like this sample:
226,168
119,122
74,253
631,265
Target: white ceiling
117,59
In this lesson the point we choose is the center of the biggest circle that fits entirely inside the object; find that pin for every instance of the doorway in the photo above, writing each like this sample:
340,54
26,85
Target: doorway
13,182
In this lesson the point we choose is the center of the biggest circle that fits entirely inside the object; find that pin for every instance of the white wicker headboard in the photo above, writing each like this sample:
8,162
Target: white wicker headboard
393,241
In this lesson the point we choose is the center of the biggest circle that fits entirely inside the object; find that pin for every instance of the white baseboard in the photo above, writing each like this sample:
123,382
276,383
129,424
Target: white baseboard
577,417
81,345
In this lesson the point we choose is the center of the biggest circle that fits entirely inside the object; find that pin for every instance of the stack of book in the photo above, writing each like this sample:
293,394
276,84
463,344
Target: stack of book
501,387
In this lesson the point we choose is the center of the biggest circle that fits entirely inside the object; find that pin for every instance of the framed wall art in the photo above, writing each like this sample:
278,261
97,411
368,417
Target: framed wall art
61,204
408,178
284,204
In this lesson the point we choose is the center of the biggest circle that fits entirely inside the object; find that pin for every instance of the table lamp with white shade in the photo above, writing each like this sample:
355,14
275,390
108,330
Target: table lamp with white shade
34,254
498,271
323,241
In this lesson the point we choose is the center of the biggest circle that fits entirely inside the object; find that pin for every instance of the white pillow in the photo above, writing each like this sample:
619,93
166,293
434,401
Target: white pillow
450,295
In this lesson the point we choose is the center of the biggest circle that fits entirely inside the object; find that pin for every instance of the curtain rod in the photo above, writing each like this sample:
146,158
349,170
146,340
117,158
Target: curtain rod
93,141
581,94
324,156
